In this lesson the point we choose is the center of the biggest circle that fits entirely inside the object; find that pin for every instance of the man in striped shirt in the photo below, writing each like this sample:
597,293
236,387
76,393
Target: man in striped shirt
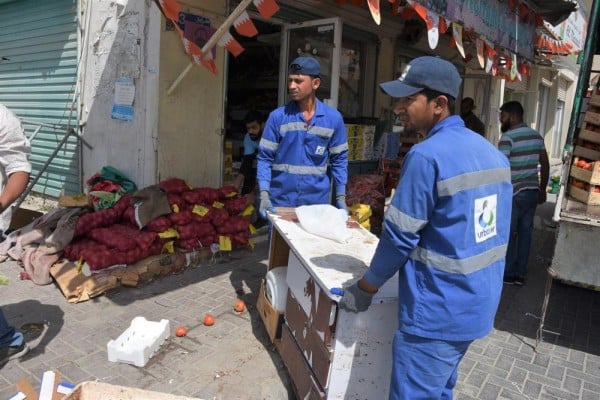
525,150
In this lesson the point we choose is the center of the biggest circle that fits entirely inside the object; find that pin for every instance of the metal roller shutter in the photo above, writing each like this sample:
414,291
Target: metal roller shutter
38,79
562,90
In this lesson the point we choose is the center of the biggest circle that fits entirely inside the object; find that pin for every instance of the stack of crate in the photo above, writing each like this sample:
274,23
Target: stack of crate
361,139
585,171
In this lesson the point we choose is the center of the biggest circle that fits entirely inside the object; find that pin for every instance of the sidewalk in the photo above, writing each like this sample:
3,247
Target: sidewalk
234,359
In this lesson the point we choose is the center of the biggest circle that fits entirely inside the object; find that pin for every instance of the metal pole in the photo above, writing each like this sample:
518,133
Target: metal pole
584,73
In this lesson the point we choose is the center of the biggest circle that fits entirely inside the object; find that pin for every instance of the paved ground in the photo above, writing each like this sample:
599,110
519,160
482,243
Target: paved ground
234,360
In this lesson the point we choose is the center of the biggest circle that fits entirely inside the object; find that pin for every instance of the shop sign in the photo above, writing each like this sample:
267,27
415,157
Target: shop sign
573,29
493,20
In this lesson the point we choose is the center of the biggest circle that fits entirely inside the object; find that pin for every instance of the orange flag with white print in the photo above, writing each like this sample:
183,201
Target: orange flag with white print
170,9
232,45
244,25
266,8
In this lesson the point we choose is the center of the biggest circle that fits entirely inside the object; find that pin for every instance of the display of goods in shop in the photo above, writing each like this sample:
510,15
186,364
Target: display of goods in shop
368,189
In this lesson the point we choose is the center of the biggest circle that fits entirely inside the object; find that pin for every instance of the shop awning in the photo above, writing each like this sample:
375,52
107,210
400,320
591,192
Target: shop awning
554,11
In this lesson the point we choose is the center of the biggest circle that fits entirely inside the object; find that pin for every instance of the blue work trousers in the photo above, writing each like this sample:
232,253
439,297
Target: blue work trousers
8,335
425,368
521,228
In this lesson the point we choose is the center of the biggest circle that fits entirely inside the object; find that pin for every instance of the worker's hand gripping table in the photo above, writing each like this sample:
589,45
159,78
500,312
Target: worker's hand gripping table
331,353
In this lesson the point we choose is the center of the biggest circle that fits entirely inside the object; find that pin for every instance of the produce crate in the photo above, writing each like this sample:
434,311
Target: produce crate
589,135
585,196
592,117
586,153
585,175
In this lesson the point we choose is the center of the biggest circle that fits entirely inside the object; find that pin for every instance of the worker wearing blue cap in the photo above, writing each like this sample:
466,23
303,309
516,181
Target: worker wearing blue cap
300,142
445,234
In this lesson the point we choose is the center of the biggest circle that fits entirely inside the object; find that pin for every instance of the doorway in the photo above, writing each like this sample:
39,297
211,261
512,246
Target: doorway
252,84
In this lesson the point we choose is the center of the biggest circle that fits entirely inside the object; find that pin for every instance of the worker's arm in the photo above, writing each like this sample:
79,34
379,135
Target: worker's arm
15,186
544,175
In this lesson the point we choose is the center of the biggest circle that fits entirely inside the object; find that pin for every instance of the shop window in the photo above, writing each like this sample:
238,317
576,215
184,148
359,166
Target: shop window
350,90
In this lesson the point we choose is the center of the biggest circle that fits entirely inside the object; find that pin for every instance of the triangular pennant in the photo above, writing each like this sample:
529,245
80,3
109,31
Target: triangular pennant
232,45
170,9
488,64
244,25
266,8
513,67
421,12
457,34
433,34
195,52
374,10
443,25
480,58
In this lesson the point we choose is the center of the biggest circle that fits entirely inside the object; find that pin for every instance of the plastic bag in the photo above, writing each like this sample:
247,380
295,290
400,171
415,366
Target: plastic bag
324,220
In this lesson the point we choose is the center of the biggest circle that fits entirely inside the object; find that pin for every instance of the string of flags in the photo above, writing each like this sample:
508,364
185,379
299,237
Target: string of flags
242,24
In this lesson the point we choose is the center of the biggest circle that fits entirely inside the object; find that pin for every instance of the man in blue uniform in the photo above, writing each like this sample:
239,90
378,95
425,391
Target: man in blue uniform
301,140
445,233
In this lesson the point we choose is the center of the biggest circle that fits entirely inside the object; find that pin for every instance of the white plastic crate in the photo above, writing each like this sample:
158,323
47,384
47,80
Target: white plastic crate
139,342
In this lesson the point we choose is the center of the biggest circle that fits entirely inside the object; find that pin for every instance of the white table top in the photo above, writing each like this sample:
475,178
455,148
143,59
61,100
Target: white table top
334,264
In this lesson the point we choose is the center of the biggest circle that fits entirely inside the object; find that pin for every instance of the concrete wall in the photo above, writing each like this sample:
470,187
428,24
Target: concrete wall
117,41
190,122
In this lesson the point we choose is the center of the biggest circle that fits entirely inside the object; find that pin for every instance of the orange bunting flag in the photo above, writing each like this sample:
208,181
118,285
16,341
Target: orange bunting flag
170,9
231,44
266,8
244,25
198,57
443,25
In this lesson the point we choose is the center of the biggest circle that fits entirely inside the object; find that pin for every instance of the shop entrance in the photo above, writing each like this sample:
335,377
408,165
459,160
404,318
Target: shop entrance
257,78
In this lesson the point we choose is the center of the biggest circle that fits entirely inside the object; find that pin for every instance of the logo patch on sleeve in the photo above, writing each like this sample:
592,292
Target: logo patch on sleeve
485,217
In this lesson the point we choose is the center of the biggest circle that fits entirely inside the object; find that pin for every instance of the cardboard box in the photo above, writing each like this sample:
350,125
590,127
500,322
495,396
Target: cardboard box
272,319
23,217
588,197
585,175
105,391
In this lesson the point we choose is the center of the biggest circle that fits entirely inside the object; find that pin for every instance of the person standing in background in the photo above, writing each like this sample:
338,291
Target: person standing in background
14,171
301,141
525,149
467,105
255,123
445,234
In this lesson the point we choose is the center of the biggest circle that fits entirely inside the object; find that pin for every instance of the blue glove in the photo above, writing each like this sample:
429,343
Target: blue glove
265,204
355,299
340,202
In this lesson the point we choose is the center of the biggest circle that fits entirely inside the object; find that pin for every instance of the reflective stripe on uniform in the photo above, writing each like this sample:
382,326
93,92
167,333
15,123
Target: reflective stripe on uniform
404,221
299,169
321,131
338,149
459,266
471,180
267,144
292,126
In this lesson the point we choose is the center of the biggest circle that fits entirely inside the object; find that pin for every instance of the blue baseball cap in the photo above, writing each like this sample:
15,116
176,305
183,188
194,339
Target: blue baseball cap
425,73
305,66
